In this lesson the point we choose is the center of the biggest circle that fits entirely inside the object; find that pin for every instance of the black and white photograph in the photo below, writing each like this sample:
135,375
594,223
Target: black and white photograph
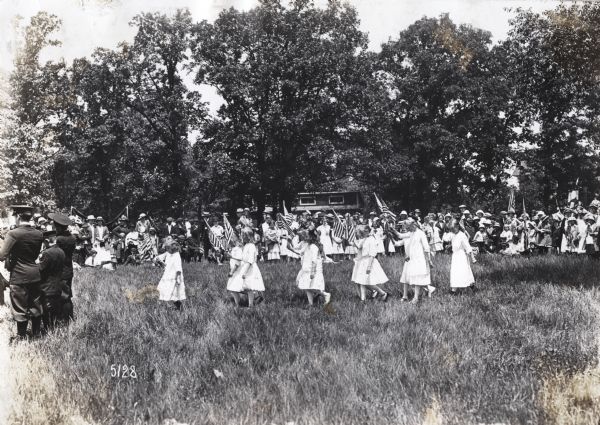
299,212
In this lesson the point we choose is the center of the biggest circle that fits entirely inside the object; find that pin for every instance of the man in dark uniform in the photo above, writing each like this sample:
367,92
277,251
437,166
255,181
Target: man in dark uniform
21,248
66,242
52,262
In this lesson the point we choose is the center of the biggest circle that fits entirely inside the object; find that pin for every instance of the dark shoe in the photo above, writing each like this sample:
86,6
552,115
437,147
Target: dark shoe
474,288
259,299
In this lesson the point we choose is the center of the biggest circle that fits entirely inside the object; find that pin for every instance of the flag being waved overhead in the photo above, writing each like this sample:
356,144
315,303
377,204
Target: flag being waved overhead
383,208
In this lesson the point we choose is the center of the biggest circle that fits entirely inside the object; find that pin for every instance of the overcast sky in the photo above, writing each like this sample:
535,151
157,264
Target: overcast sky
87,24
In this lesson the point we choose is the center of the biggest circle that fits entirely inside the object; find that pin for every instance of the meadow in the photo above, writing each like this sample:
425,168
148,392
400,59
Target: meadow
522,350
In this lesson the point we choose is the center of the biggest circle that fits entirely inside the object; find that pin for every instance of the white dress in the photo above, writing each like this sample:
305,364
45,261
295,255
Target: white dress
380,236
254,280
167,287
272,241
367,252
461,275
294,244
235,260
325,238
283,243
311,255
416,269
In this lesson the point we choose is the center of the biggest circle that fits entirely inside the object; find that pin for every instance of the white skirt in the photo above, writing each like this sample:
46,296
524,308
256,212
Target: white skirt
376,277
253,281
414,279
461,275
304,281
170,291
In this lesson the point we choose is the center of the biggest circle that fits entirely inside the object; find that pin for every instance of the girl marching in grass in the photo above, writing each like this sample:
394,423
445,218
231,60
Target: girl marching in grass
245,277
461,275
171,286
418,262
367,271
310,277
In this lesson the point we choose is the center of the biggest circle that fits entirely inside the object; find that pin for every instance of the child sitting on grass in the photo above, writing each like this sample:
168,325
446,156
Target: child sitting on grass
310,277
171,286
246,277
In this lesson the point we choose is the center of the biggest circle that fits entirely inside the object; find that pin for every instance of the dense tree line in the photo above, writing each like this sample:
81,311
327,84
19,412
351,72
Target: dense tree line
437,116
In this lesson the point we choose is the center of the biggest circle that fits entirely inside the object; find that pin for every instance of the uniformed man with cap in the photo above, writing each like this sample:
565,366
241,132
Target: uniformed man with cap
21,248
67,242
52,262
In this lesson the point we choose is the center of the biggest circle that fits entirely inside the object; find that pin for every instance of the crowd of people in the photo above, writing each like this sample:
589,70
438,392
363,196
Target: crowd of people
41,252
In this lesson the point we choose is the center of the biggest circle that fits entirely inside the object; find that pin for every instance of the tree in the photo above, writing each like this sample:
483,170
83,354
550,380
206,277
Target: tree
447,130
553,61
291,79
126,137
28,147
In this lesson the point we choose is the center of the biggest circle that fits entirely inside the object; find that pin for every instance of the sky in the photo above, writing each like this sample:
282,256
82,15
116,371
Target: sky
88,24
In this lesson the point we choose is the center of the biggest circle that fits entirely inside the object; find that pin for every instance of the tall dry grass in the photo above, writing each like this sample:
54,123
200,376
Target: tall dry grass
480,358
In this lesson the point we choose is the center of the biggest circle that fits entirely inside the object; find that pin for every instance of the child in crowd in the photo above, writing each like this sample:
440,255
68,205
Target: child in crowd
171,286
310,277
246,277
367,271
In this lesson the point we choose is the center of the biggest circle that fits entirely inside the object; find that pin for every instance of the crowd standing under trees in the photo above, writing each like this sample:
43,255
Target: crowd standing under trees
435,117
42,252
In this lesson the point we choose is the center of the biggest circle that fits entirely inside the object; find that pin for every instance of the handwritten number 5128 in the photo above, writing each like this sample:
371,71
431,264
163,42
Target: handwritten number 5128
123,371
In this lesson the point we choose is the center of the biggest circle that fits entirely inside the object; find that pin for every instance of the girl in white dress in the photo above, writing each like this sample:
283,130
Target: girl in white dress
272,241
294,245
418,262
325,237
367,271
461,275
379,237
246,277
171,286
310,277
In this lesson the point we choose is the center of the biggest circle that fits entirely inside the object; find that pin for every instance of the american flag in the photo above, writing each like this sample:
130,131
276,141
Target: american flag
214,240
288,217
282,223
350,230
229,232
383,207
339,227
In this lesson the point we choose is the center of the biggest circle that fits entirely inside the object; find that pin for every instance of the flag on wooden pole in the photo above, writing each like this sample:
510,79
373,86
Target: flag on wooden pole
339,228
383,207
283,224
289,217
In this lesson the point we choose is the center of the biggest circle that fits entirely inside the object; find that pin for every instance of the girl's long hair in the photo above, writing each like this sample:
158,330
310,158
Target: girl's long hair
313,239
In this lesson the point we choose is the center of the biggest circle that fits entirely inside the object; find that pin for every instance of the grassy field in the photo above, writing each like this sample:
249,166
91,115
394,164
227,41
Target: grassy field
522,350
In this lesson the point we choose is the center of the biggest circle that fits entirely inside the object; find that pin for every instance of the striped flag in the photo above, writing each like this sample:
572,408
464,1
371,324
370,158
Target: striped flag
350,230
339,228
229,232
383,207
288,217
282,223
212,238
